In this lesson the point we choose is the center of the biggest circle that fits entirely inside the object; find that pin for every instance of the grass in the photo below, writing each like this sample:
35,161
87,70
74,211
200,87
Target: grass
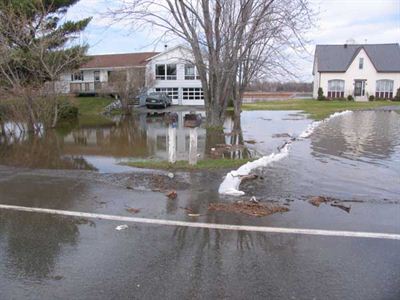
206,164
91,105
91,109
316,109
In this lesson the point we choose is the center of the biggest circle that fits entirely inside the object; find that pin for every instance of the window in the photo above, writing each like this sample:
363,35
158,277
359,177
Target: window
96,75
361,63
160,72
191,72
336,88
172,92
166,72
171,72
77,76
384,89
193,94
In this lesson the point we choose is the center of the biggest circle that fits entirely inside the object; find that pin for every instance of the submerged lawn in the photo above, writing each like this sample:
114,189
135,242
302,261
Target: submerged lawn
317,109
206,164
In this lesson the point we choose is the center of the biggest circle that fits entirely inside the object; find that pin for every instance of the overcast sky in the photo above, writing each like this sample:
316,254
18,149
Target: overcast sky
371,21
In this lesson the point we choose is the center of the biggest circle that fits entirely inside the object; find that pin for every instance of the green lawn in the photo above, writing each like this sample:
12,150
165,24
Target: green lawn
91,105
316,109
91,109
206,164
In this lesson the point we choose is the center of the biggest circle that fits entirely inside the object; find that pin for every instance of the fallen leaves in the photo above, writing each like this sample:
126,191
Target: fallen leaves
133,210
171,195
248,208
318,200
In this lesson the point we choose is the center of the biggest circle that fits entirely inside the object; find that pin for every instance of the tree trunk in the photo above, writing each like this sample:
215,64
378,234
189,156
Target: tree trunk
31,122
124,106
55,117
55,103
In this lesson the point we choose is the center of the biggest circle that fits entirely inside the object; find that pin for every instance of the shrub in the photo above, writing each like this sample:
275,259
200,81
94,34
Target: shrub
350,98
66,111
371,98
321,94
397,97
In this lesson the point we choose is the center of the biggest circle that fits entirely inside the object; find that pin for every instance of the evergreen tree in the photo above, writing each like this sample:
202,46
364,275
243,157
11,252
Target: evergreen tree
37,44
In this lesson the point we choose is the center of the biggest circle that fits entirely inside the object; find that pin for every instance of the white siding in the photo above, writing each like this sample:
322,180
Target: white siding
353,72
179,56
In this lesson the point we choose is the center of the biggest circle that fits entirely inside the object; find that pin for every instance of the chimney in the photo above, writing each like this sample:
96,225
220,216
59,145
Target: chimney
165,47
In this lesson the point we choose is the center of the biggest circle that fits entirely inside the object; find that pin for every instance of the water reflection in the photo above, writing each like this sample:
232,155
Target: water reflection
160,136
367,135
31,243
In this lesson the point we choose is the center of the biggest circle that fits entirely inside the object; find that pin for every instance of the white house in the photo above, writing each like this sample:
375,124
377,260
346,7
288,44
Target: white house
170,71
93,76
359,70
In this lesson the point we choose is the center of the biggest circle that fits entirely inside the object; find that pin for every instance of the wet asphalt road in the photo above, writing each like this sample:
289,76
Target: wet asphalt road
55,257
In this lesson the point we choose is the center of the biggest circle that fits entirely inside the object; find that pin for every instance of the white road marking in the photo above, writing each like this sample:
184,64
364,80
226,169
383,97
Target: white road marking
355,234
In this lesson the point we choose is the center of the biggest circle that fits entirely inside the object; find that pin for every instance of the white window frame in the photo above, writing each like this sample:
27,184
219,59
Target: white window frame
336,88
384,88
165,76
77,76
94,76
194,76
172,92
361,63
192,94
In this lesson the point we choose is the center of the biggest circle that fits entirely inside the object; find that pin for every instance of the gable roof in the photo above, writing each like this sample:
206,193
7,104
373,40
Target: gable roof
118,60
169,50
337,58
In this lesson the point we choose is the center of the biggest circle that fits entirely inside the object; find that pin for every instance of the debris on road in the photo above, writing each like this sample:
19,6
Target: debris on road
171,175
341,206
249,177
253,199
281,135
121,227
133,210
129,188
194,215
250,142
317,200
171,195
248,208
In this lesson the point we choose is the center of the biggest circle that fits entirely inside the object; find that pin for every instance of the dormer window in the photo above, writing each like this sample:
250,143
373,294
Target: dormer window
361,63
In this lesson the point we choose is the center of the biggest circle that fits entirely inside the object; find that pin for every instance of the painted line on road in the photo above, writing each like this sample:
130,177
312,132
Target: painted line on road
318,232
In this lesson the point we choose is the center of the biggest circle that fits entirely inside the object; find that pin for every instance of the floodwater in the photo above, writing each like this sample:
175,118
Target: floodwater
354,157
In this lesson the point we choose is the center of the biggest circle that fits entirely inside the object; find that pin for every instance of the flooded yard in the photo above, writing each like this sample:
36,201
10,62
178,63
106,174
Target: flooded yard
354,156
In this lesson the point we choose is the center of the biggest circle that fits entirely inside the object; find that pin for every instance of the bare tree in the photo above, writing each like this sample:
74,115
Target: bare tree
127,84
231,40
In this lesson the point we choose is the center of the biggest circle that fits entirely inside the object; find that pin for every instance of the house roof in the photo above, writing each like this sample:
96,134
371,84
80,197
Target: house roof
118,60
169,50
337,58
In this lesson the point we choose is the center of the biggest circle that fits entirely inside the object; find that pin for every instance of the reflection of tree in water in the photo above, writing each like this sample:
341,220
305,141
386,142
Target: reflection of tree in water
34,241
211,248
361,134
38,151
216,137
